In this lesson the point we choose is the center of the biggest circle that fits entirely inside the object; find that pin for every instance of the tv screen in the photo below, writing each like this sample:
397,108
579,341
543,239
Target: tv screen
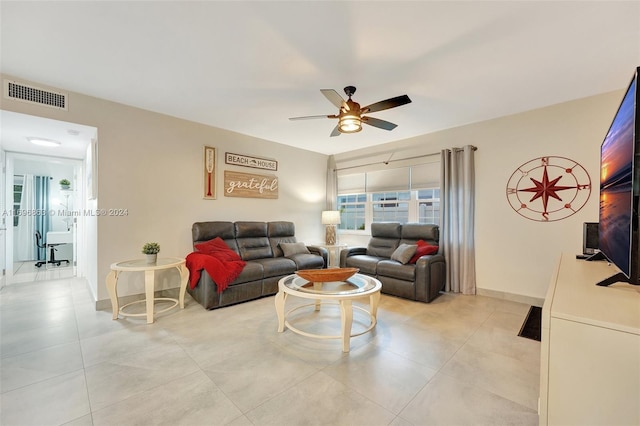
619,183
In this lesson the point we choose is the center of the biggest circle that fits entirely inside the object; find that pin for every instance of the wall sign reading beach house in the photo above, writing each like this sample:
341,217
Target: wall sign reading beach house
247,161
249,185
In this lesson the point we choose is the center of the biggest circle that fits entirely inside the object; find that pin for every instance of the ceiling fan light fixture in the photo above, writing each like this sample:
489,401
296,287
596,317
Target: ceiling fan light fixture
350,115
349,123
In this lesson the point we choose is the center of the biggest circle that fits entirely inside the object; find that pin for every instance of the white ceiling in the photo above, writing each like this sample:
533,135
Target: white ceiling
17,128
248,66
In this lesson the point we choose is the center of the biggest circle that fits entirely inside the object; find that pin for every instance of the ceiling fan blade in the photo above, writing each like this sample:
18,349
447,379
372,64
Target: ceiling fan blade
388,103
335,98
310,117
335,132
376,122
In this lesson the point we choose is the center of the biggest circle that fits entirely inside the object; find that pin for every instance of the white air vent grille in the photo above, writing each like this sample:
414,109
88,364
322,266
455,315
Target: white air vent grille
35,95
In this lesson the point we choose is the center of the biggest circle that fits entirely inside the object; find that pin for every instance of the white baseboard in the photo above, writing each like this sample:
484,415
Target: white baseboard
529,300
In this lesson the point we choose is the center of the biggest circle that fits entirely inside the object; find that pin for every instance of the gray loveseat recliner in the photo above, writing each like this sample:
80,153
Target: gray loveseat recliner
257,243
421,281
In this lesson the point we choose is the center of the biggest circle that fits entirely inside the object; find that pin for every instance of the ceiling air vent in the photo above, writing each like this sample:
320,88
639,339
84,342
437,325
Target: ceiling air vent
34,95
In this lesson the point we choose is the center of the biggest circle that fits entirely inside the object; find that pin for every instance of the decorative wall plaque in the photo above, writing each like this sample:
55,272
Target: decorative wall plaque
547,189
248,161
250,185
209,173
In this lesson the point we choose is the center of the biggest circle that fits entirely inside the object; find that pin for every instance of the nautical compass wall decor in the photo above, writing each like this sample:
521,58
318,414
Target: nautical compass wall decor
548,189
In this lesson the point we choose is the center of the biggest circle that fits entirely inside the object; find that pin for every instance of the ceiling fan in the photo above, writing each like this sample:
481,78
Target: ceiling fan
351,116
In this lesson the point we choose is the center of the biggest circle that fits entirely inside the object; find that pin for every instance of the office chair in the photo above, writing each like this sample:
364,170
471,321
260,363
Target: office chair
52,257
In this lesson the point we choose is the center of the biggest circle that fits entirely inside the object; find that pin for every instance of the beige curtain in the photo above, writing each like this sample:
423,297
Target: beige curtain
332,184
457,209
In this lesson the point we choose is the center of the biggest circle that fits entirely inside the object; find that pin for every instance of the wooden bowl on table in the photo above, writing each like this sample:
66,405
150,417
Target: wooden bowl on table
327,275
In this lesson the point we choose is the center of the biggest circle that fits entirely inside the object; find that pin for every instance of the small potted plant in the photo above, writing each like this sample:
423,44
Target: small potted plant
151,250
65,184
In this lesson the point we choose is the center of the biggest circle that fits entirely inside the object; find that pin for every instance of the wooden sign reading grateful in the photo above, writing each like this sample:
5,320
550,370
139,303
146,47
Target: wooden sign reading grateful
250,185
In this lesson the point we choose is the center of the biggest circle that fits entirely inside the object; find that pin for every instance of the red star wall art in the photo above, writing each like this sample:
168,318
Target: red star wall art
548,189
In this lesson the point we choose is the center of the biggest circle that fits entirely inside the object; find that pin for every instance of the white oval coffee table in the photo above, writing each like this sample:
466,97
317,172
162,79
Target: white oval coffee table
342,292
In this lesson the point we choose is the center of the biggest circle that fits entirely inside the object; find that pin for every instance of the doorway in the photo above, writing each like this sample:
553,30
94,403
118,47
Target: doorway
70,159
44,220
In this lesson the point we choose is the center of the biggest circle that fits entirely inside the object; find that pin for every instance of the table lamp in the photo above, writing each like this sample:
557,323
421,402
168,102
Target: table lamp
330,218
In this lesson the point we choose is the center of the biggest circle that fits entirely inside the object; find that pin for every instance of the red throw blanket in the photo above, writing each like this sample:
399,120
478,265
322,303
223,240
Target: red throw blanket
221,263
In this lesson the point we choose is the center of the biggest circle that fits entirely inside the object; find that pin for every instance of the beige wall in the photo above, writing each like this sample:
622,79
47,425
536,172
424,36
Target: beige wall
518,255
150,164
515,255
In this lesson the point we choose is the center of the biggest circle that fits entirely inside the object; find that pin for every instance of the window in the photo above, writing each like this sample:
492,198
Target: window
352,211
429,205
358,210
384,211
402,194
17,199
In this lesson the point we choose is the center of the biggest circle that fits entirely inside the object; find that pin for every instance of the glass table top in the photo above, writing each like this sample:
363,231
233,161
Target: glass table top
355,284
141,264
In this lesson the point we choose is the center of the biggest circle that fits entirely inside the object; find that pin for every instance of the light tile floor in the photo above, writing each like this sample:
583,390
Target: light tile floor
456,361
25,272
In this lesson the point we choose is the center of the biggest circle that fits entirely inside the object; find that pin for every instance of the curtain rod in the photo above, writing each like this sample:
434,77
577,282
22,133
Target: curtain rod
474,148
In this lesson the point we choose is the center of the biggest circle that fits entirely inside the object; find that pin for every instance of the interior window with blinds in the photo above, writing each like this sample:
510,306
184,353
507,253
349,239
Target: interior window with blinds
400,194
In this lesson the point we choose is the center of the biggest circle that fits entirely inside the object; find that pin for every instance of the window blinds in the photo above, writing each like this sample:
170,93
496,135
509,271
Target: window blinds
392,179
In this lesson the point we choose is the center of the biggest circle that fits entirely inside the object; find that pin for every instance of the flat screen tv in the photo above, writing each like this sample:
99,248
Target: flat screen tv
618,238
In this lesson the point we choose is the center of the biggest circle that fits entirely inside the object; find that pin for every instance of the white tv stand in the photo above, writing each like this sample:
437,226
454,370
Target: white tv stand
590,360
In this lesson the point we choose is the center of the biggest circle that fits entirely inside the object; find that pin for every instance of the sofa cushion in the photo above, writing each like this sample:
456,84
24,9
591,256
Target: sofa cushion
391,268
275,244
398,288
423,248
367,264
385,238
412,232
281,229
254,248
206,231
308,261
276,266
280,232
289,249
386,230
252,240
382,247
215,245
404,253
250,229
251,272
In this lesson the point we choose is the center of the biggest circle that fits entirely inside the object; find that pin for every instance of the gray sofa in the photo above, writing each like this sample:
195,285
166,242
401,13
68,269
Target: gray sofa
421,281
257,243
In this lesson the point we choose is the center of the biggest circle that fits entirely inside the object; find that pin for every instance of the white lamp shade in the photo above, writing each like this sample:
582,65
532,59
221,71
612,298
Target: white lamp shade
331,217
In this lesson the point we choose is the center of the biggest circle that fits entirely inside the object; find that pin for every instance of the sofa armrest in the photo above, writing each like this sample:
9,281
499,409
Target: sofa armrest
320,251
350,251
430,277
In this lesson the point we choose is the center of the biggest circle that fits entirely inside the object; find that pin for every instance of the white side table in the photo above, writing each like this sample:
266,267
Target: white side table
334,253
149,269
